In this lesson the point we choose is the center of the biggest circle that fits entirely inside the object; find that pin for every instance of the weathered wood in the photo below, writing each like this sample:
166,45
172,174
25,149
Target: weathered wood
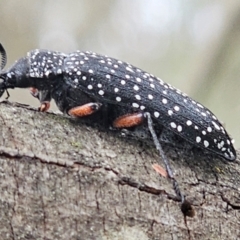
59,180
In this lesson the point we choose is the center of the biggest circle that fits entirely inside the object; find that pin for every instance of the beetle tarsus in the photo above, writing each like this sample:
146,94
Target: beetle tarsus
44,107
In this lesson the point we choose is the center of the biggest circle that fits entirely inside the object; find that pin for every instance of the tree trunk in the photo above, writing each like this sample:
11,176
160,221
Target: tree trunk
60,180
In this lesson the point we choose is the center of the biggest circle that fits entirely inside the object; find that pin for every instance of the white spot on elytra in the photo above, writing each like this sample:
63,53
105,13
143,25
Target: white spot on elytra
189,122
101,92
170,112
138,97
142,107
99,85
135,105
138,79
47,73
156,114
84,78
78,73
206,143
123,82
173,125
116,90
209,129
176,108
118,99
150,96
223,131
108,76
136,87
164,101
129,69
204,132
90,71
179,128
221,144
198,139
90,87
152,85
215,125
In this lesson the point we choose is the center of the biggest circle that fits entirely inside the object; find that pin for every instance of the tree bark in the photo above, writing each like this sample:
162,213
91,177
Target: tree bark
60,180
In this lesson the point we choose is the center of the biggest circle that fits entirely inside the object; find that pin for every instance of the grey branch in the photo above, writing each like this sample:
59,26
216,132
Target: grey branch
60,180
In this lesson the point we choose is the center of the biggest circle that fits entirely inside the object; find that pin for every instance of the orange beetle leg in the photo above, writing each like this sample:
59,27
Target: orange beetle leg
84,110
128,120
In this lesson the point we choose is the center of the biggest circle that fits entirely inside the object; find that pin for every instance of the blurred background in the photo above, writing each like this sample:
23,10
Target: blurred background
193,45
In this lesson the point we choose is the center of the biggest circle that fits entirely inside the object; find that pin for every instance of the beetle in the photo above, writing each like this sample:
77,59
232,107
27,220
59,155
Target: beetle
84,83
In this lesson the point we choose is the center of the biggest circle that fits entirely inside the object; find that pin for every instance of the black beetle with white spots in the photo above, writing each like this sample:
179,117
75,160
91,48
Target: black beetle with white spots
115,84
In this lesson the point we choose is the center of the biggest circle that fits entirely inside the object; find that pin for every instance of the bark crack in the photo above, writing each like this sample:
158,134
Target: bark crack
122,180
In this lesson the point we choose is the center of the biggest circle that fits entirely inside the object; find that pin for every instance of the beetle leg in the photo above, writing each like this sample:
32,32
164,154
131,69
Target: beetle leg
44,106
165,161
134,119
84,110
43,96
34,92
128,120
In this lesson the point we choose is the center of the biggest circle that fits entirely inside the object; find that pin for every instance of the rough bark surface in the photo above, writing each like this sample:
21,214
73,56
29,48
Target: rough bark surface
60,180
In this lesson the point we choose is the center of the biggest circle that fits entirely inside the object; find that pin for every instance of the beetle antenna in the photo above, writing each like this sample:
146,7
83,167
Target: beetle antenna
4,57
3,62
